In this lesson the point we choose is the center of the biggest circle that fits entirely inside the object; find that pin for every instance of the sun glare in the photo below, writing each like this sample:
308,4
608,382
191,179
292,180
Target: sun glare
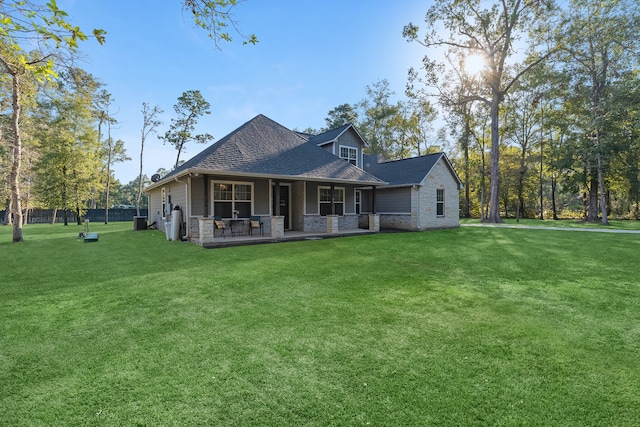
474,64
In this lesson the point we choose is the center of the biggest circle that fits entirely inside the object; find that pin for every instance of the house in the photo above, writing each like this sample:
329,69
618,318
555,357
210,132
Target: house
292,181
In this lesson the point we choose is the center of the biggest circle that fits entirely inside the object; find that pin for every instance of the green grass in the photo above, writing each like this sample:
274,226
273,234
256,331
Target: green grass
472,326
564,223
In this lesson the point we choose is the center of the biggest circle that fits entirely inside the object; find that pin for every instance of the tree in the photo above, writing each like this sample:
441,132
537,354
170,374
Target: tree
190,107
490,33
521,126
113,151
341,115
70,156
600,43
376,126
150,122
32,36
215,16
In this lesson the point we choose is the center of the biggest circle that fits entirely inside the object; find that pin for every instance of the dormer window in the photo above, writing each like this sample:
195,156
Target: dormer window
350,154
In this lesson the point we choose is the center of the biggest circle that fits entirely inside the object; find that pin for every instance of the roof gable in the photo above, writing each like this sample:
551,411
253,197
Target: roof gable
334,134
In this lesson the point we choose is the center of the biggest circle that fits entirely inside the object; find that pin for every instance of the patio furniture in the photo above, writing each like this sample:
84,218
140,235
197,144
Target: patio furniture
219,223
237,226
255,222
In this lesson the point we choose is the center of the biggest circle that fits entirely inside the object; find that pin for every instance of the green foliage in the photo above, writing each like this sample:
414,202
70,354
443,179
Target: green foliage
216,17
473,326
67,171
190,107
25,24
340,116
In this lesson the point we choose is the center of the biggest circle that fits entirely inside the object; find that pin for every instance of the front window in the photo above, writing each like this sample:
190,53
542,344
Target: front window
350,154
229,197
440,202
358,201
325,200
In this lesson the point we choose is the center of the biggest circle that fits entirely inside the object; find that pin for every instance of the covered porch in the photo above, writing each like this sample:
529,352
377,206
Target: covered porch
289,236
285,208
207,233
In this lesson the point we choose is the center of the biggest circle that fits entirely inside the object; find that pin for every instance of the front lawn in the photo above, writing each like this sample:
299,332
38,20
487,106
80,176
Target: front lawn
614,224
472,326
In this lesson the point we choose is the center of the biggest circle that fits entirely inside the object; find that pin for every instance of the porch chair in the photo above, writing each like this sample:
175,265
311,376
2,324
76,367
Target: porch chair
219,223
254,222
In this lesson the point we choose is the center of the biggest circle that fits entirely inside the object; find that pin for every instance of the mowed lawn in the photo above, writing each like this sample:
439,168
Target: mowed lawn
472,326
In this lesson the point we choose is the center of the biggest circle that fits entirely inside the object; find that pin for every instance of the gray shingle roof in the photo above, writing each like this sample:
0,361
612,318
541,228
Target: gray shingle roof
262,147
329,135
403,172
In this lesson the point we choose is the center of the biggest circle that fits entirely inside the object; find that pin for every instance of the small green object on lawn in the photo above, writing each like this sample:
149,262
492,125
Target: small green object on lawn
91,237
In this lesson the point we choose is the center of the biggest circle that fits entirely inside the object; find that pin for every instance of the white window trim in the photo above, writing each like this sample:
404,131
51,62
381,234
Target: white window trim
233,200
328,187
348,147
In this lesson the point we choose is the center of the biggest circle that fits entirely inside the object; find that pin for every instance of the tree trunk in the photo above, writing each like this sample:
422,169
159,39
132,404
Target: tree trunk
139,181
603,202
541,163
54,216
7,212
483,184
16,209
553,198
592,215
65,205
108,182
521,175
494,196
467,191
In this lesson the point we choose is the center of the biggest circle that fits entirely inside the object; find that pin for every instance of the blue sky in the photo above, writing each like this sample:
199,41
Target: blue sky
312,56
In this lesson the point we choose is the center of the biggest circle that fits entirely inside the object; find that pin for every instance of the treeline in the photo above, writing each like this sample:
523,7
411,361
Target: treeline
52,216
56,147
67,149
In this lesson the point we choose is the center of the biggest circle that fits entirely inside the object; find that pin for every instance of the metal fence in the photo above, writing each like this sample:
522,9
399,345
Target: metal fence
45,216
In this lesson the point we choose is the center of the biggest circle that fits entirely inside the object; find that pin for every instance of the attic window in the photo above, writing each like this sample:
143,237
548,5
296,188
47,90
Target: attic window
350,154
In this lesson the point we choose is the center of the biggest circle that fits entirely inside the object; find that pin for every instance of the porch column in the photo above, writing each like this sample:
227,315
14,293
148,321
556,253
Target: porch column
374,218
277,200
205,230
277,227
332,224
374,222
373,198
333,202
206,195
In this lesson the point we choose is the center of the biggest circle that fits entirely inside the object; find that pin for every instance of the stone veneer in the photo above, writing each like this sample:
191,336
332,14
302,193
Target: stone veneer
277,227
206,229
374,222
332,224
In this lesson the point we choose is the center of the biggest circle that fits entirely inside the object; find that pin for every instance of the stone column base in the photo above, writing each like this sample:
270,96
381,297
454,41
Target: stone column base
277,227
374,222
206,229
332,224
